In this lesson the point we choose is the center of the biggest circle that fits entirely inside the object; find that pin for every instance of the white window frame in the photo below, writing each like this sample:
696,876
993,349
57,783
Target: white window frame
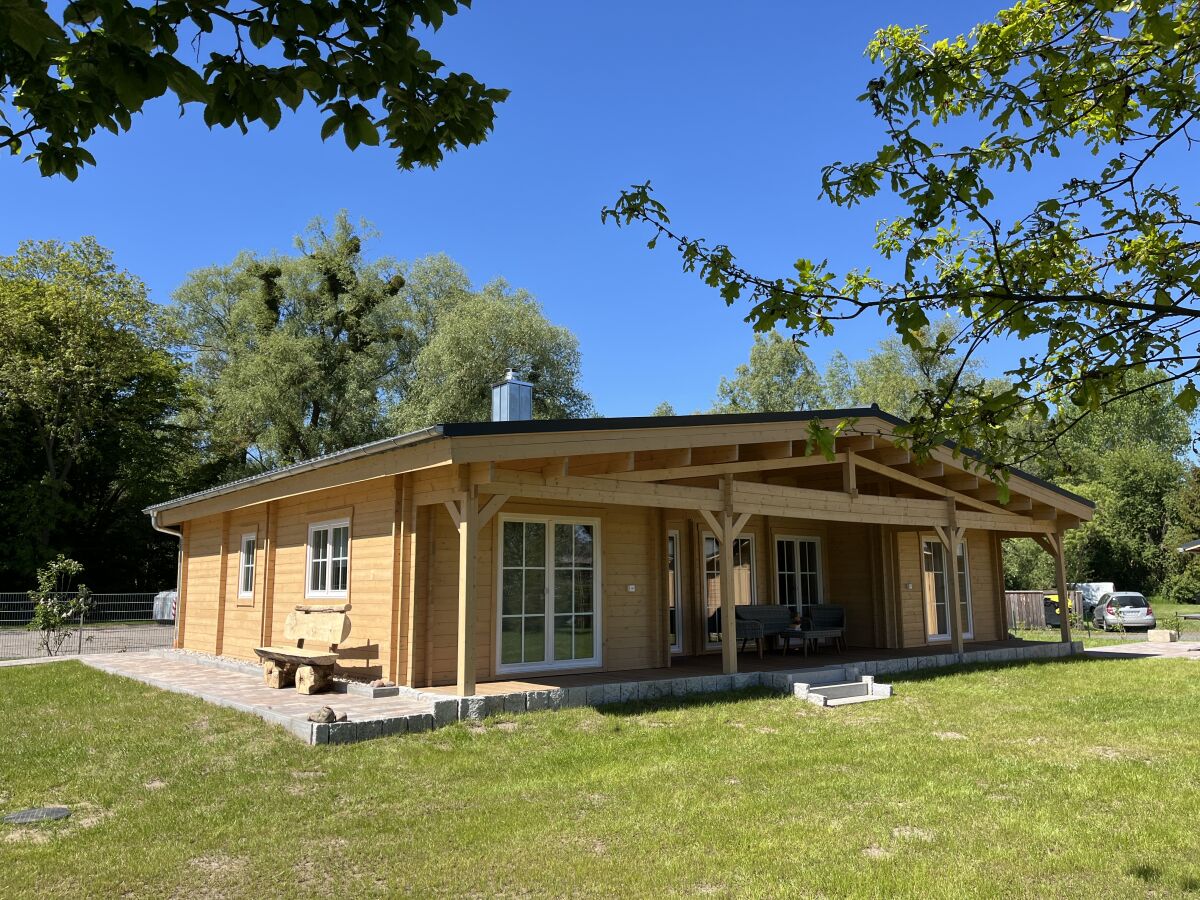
969,625
673,535
548,663
820,560
244,564
330,525
716,645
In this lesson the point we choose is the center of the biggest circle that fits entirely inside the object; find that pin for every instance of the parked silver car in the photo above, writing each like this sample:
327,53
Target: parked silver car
1127,609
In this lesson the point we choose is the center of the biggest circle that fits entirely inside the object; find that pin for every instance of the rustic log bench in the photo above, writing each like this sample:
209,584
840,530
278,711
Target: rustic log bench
309,670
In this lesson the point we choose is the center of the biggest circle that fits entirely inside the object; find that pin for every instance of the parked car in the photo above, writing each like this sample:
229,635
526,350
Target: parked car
1124,608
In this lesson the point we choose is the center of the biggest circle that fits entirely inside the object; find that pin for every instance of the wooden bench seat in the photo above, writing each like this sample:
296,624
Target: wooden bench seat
307,668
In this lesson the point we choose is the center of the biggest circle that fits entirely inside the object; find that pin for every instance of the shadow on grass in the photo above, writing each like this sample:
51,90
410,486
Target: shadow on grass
687,701
1153,875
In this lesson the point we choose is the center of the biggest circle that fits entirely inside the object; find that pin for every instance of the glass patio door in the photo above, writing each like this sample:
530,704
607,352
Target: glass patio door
743,582
674,594
549,595
936,590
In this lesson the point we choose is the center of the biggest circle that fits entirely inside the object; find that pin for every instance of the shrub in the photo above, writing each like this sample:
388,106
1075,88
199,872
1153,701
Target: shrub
56,608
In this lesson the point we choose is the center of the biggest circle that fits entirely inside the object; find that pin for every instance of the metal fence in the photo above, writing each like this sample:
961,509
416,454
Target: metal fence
113,623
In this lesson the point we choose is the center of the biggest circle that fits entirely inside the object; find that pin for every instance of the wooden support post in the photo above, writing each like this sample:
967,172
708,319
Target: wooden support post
1060,577
468,539
729,647
951,537
849,475
726,536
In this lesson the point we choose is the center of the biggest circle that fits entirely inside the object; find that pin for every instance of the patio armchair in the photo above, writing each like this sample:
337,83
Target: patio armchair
774,620
825,621
745,629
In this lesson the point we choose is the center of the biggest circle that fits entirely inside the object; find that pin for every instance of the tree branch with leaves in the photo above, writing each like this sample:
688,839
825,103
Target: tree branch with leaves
1098,281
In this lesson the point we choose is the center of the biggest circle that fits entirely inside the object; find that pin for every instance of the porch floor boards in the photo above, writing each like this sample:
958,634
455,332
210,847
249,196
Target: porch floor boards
710,664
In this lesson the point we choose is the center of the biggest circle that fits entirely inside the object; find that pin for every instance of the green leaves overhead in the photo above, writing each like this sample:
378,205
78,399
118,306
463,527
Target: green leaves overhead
1101,276
361,61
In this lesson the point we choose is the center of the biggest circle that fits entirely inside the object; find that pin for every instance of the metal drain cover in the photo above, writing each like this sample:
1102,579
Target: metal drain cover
37,814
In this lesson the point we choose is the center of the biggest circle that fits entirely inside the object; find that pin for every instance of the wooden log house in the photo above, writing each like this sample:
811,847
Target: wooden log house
514,548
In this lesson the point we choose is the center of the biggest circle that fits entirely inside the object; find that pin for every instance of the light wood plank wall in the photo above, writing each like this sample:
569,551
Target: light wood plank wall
370,507
203,584
986,594
628,620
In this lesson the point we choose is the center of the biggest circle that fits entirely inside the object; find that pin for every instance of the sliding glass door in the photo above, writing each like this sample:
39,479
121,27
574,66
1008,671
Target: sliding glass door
549,594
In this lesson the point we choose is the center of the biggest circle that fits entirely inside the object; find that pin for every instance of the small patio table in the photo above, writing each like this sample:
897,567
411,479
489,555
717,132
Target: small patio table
788,633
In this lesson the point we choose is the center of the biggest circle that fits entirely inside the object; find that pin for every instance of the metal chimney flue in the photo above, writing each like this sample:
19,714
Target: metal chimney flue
512,399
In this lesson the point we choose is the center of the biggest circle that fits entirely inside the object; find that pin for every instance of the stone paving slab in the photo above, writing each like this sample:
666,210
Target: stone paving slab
374,717
238,685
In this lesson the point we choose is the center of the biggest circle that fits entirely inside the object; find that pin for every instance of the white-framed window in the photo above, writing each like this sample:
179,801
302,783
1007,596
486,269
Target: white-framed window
548,593
674,595
328,559
743,581
937,595
798,572
246,566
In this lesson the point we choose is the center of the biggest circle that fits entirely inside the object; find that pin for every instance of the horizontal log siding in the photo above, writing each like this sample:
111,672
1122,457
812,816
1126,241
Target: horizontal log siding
203,584
626,551
370,506
848,561
984,590
243,617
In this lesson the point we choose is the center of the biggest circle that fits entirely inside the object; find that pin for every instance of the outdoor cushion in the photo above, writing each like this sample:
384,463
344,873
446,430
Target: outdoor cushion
773,618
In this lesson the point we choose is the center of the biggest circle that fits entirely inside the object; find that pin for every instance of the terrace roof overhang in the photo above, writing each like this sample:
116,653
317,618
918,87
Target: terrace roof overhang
706,463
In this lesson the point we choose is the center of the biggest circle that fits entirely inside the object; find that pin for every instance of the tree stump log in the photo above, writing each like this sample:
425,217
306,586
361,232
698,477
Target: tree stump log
277,674
312,679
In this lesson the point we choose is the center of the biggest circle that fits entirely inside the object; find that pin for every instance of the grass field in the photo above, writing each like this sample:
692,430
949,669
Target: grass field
1067,779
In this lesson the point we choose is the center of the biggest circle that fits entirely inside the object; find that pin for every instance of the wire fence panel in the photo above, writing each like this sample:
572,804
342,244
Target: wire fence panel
113,623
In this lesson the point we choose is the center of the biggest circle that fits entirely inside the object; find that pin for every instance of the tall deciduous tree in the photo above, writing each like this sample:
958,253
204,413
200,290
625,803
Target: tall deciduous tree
96,63
1104,272
292,353
303,354
88,391
470,347
778,378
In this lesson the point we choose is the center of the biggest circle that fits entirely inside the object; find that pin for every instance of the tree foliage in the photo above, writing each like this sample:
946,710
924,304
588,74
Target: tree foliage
471,345
88,395
291,353
1099,278
360,62
297,355
778,378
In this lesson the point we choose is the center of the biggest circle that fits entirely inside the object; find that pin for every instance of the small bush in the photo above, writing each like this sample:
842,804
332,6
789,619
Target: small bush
56,609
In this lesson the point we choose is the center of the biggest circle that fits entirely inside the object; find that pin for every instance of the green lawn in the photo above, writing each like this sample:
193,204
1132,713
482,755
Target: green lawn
992,781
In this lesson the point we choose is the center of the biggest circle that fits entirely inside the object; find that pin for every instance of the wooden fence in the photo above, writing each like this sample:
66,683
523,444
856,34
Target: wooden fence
1026,609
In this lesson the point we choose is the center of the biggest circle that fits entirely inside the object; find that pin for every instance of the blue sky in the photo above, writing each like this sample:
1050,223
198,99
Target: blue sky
731,110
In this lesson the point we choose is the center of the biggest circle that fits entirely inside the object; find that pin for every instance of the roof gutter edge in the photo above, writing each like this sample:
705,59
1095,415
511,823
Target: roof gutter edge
408,439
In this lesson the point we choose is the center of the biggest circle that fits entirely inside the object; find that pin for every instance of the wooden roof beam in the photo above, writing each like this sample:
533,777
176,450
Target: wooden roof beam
889,456
960,481
856,442
707,456
763,451
601,463
923,470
